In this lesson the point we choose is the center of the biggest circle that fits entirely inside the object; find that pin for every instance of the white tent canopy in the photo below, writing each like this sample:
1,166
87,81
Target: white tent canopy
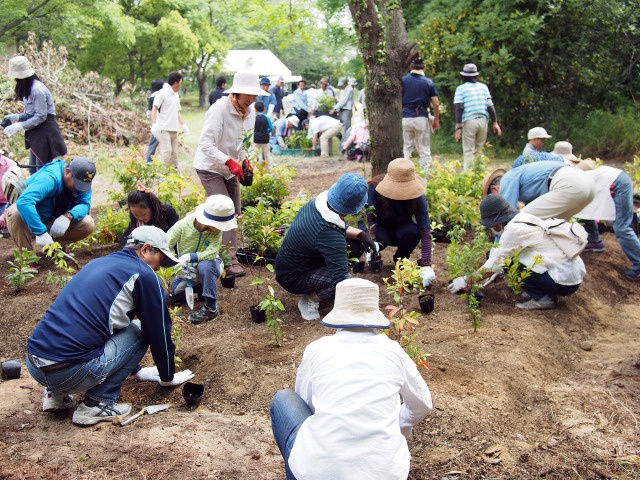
263,62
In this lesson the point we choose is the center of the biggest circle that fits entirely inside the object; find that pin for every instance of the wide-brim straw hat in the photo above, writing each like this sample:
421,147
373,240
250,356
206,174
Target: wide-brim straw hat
248,83
401,181
565,150
219,212
486,181
356,306
20,68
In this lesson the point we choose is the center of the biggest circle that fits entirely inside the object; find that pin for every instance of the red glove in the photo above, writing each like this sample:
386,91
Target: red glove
235,168
246,165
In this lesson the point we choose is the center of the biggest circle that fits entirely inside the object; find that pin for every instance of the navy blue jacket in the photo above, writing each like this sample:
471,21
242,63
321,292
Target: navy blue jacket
417,91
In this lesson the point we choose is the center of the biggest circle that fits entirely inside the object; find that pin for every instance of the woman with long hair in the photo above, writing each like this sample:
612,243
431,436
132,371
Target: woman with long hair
38,121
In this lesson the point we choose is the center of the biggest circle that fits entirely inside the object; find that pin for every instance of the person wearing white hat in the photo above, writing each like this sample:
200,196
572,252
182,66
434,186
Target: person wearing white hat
473,108
283,128
344,105
221,156
357,397
565,150
38,121
536,137
198,238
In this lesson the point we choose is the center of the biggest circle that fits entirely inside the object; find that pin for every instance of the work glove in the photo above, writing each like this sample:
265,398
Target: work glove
380,246
185,129
148,374
44,239
60,226
13,129
458,284
184,260
12,118
235,168
155,130
367,241
178,379
427,275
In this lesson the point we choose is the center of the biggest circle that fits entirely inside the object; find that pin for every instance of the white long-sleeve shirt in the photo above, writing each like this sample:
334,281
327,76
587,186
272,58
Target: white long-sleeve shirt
221,137
362,388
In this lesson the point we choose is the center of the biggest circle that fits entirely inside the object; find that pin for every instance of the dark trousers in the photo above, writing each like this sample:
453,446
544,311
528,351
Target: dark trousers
404,236
537,285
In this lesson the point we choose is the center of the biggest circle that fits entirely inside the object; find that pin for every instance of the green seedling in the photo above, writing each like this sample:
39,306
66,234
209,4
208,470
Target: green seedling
54,252
517,273
272,306
20,270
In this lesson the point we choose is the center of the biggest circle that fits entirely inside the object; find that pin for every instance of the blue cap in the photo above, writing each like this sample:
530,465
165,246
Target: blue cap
265,81
349,194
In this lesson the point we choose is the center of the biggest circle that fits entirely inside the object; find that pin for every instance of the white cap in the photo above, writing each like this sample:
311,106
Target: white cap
538,132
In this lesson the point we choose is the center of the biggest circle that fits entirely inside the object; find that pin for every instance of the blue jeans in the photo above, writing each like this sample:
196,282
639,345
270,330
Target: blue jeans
537,285
288,412
623,201
151,149
101,378
208,273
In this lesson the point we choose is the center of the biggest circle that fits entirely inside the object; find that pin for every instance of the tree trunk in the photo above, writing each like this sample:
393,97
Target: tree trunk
203,88
386,53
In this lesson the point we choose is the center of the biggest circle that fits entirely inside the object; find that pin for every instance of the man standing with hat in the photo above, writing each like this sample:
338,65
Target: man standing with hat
268,100
313,258
536,136
220,155
86,341
418,91
473,108
197,239
54,206
344,106
326,88
357,397
278,93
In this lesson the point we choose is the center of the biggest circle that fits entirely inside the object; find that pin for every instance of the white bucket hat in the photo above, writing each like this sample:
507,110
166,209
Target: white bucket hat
248,83
565,150
19,68
356,306
293,120
218,211
352,81
537,132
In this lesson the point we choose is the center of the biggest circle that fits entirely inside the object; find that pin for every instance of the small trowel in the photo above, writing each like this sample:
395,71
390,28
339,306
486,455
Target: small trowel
188,292
145,411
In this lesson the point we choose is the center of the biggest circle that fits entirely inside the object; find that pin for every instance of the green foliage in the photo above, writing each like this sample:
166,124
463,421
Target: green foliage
326,103
54,252
270,186
517,273
299,140
633,169
258,228
179,329
110,225
57,280
272,306
19,271
166,275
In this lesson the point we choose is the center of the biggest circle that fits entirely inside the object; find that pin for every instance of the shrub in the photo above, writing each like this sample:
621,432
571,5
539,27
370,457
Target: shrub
19,272
299,140
270,186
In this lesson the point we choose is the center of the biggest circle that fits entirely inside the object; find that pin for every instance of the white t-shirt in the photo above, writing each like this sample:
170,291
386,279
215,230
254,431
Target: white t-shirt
322,124
168,103
353,383
602,206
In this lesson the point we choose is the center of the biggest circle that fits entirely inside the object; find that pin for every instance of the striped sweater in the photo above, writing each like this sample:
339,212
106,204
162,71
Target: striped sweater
184,238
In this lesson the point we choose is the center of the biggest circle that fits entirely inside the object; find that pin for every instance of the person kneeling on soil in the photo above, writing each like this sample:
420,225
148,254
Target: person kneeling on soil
358,396
554,272
197,239
55,205
313,258
87,342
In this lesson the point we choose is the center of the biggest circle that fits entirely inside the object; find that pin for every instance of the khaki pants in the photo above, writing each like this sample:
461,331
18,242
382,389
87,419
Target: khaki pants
325,139
570,191
416,133
265,148
23,238
168,144
474,134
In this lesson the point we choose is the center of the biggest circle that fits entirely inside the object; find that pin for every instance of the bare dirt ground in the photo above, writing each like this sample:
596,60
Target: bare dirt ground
552,394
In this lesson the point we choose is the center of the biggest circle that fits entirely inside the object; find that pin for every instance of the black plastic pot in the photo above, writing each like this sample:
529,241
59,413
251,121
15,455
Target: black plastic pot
375,266
358,267
257,315
427,302
247,256
193,393
10,369
479,295
228,281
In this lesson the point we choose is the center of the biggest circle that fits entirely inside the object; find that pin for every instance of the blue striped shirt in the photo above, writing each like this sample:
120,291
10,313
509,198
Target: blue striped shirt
475,98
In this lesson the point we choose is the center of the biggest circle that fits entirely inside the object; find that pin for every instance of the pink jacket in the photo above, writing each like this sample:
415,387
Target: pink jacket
359,134
5,164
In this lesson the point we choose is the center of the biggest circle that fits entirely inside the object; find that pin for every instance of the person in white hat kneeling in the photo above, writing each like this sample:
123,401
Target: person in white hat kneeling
197,239
357,397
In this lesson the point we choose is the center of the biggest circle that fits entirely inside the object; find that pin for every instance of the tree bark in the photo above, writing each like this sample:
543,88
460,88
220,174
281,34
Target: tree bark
387,53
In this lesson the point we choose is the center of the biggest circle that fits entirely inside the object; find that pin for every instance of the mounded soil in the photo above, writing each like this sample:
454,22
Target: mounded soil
550,394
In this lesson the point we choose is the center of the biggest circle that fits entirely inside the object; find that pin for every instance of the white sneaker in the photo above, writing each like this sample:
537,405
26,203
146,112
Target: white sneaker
308,308
545,303
100,413
55,402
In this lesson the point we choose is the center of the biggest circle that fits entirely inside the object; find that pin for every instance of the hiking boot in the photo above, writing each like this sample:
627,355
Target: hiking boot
203,315
594,247
633,275
236,270
103,412
545,303
56,402
308,308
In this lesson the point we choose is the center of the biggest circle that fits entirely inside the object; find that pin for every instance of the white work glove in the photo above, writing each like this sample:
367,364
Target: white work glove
379,246
12,117
60,226
185,129
148,374
427,275
458,284
178,379
155,130
44,239
13,128
184,260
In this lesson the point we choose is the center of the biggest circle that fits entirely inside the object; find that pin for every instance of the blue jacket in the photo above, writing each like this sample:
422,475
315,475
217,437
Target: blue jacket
103,297
37,203
416,95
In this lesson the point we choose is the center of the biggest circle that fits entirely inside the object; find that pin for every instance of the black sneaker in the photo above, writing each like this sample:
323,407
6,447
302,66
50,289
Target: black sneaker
203,315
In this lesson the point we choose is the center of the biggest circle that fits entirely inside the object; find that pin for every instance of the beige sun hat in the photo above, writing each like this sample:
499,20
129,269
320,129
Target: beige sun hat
537,132
586,165
565,150
490,177
356,306
218,211
20,68
469,70
401,181
248,83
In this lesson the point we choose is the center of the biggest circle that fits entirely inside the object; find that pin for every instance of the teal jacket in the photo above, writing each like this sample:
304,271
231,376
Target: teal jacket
38,201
